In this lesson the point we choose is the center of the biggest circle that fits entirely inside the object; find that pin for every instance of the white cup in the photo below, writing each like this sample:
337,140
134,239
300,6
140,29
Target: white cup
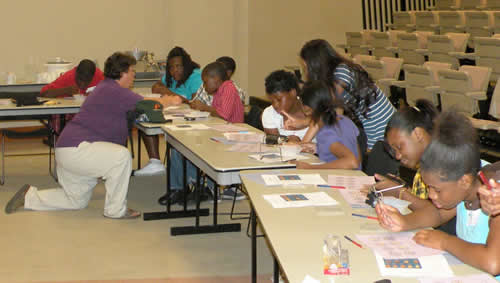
11,78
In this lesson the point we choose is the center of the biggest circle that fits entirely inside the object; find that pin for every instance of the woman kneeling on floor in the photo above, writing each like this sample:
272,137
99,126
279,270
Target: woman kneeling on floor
92,146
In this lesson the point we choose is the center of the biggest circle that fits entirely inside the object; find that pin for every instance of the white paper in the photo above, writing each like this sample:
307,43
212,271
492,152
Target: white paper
312,199
186,127
400,204
350,182
475,278
197,114
247,137
151,95
251,147
355,198
293,179
228,128
397,245
432,266
276,157
310,279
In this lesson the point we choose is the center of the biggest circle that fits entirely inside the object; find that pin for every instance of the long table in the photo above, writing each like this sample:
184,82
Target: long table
219,164
62,106
295,235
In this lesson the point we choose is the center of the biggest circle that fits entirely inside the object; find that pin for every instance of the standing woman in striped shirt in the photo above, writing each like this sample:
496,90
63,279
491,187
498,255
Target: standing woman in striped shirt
351,84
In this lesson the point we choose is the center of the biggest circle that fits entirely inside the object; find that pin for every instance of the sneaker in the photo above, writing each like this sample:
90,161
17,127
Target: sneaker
230,192
17,200
211,195
153,168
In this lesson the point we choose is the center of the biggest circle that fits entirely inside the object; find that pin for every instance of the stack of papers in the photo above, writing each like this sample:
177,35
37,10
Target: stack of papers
476,278
197,114
300,200
251,147
293,179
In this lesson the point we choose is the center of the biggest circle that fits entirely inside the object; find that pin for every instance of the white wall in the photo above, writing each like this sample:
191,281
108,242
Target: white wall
261,35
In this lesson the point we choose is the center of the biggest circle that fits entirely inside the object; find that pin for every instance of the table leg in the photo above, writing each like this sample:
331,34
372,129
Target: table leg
253,220
276,271
168,214
139,136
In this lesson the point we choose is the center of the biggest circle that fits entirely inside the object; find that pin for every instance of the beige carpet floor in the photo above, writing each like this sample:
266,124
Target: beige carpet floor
83,246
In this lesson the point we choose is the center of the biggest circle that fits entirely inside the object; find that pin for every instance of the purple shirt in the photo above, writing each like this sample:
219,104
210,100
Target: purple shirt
102,116
344,132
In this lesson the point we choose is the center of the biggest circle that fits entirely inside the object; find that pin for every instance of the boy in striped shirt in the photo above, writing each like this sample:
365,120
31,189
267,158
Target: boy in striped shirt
226,102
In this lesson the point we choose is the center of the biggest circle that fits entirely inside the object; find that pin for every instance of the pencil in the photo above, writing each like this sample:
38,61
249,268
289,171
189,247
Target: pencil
328,186
352,241
365,216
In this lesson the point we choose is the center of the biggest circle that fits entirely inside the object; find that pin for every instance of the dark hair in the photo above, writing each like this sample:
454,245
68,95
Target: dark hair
454,149
189,65
407,119
228,63
322,60
316,94
215,69
281,80
117,64
85,71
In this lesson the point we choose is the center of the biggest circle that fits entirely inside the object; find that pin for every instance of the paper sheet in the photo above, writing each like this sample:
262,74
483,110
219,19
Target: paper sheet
186,127
197,114
432,266
397,245
350,182
355,198
475,278
293,179
276,157
247,137
251,147
299,200
228,128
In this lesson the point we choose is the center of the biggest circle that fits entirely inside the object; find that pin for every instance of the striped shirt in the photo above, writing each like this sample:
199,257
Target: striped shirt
228,104
379,112
207,99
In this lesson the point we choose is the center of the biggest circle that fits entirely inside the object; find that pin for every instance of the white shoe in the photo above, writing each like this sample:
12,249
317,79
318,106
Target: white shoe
153,168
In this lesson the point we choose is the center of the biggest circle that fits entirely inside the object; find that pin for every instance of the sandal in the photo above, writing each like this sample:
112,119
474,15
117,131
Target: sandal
129,214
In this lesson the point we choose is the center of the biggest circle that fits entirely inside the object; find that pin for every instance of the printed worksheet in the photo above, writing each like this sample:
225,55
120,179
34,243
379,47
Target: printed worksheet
293,179
428,266
475,278
350,182
186,127
355,198
246,137
275,157
228,128
300,200
252,147
396,245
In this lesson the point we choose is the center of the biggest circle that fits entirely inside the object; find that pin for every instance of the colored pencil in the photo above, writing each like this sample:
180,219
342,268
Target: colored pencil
352,241
328,186
484,180
365,216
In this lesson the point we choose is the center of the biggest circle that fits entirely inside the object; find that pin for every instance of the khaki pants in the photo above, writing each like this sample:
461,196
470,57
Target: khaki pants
78,170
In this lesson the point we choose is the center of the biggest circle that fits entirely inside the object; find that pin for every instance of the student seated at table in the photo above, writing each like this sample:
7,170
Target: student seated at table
227,105
92,146
337,138
282,88
182,79
78,80
230,66
449,167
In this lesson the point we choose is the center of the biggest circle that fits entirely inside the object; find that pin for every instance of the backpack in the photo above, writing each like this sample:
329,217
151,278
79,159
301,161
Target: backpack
149,111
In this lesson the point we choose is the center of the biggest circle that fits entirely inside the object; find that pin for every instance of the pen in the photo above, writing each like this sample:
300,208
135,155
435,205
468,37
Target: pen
328,186
365,216
484,180
215,140
352,241
391,188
